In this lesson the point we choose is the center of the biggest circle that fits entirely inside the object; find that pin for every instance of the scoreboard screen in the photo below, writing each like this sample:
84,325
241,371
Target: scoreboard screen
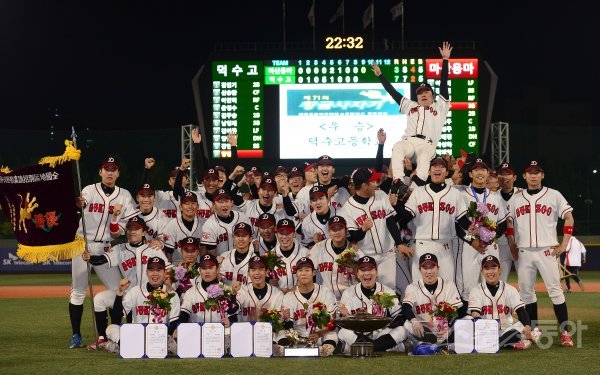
296,109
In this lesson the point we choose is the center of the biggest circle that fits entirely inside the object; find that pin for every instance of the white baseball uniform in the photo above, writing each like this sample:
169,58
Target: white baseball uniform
501,306
287,275
97,215
156,221
471,258
218,233
329,273
575,249
193,304
123,257
251,306
505,256
311,225
262,246
232,271
176,231
302,201
534,220
166,202
253,210
378,242
204,210
435,216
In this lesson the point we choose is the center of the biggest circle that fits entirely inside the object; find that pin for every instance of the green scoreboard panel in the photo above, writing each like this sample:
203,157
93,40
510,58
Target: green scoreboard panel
335,105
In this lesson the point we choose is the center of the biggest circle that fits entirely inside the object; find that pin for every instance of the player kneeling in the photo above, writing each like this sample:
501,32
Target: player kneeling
134,301
422,298
357,299
495,299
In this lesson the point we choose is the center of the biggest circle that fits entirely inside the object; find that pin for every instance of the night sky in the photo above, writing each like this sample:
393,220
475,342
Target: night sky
115,64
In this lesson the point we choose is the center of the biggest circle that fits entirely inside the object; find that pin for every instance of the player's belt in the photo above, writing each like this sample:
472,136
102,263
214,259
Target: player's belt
422,137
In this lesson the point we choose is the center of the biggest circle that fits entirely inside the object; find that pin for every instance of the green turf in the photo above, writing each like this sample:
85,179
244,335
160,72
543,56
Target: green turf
35,334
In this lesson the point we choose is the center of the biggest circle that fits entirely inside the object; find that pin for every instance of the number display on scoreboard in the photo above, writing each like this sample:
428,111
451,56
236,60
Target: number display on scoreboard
334,104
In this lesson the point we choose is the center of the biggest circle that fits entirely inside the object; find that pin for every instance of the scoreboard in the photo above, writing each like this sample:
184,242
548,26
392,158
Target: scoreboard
302,108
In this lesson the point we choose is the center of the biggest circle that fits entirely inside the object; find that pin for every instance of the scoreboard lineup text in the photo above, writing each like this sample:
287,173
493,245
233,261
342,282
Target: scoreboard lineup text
238,93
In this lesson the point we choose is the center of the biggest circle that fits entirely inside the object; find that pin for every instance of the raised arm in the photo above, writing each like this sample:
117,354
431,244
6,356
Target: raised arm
386,85
445,51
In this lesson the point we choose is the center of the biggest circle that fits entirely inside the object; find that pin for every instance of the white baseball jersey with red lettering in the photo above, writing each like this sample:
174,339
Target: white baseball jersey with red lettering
427,121
219,233
312,225
98,211
434,213
295,301
378,239
142,254
166,202
251,306
142,313
252,209
287,275
262,246
355,300
193,304
329,273
123,256
423,302
204,208
176,231
500,306
156,221
535,216
503,241
235,272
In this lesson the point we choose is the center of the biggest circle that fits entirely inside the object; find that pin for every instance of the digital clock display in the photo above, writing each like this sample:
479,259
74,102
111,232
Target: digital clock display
349,42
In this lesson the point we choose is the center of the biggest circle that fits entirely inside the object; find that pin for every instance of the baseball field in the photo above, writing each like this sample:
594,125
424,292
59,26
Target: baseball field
35,334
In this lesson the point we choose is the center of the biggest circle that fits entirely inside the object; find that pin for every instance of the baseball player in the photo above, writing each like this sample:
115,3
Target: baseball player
325,253
217,230
134,302
168,201
534,214
234,266
185,225
357,299
190,250
506,180
103,203
290,250
258,294
425,120
314,226
473,250
371,223
264,204
495,299
267,240
574,257
423,296
295,313
310,174
433,208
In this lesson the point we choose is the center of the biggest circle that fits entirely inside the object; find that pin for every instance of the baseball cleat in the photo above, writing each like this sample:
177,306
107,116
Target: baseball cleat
522,345
76,341
97,344
566,340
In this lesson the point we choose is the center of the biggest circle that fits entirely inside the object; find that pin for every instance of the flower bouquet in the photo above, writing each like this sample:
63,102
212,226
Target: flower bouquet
347,262
442,316
482,227
273,316
160,304
317,316
296,340
381,302
184,274
272,263
220,297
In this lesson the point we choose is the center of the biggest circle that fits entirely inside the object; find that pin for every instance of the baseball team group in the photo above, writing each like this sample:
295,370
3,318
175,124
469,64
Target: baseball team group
430,231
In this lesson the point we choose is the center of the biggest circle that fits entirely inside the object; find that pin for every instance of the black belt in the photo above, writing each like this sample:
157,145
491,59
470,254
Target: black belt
422,137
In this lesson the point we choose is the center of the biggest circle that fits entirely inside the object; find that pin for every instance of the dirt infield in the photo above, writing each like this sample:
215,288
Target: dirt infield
64,291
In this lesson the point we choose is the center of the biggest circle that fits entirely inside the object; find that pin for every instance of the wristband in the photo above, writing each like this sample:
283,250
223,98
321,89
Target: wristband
114,228
510,231
568,229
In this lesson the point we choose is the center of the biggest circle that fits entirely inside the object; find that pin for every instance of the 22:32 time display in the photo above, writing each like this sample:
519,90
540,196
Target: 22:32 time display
350,42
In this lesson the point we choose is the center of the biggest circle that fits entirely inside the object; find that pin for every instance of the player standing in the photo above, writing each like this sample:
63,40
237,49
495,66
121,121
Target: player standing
574,257
506,179
425,120
534,214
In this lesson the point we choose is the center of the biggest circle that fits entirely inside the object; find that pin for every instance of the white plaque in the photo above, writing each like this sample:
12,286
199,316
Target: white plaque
156,340
463,336
213,340
487,339
189,336
131,344
241,339
263,339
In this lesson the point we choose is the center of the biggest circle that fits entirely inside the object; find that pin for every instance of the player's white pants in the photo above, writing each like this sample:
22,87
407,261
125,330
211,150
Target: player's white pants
471,266
506,260
104,300
110,276
398,333
457,249
530,261
329,336
442,249
418,150
403,274
386,268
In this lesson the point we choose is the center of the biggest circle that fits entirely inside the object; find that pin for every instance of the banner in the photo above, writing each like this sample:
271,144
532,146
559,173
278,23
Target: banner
39,201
